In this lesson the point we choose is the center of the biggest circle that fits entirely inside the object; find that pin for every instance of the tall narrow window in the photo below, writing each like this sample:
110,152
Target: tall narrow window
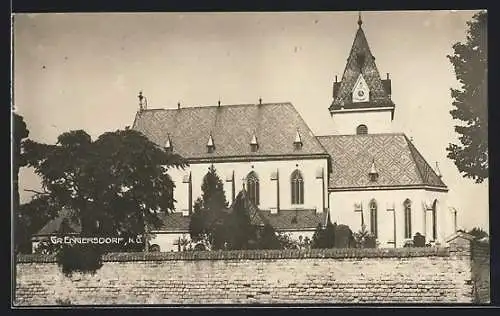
297,185
407,216
253,187
434,220
373,218
362,129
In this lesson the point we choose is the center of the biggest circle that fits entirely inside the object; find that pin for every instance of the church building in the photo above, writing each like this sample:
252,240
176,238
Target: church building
362,173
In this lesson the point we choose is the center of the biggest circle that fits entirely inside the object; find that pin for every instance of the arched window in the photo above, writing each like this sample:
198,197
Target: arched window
434,220
373,218
253,187
407,216
297,185
361,129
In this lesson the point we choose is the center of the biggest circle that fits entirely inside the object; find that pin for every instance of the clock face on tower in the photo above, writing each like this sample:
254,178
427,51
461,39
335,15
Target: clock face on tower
360,92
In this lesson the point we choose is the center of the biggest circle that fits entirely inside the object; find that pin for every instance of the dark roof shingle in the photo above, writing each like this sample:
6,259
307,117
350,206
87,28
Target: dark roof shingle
379,97
396,159
65,222
232,128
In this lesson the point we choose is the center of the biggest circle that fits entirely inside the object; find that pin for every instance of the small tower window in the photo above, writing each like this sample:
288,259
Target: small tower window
362,129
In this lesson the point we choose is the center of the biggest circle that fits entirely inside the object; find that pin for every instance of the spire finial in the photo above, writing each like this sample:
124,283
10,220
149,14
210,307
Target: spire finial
359,19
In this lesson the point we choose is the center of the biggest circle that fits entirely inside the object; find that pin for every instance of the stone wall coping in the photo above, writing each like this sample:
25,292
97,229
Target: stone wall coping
336,253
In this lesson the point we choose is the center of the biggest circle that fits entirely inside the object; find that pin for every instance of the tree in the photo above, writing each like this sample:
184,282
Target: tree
30,218
470,102
269,239
324,237
206,223
239,231
19,134
116,185
478,233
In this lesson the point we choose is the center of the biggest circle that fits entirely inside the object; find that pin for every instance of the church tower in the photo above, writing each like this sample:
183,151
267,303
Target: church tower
362,99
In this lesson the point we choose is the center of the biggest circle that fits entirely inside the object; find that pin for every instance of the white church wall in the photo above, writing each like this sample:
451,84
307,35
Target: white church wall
444,217
345,123
313,187
342,211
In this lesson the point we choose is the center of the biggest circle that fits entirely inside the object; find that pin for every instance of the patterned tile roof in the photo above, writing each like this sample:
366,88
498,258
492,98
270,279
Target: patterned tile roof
396,160
174,222
361,61
232,128
289,220
63,223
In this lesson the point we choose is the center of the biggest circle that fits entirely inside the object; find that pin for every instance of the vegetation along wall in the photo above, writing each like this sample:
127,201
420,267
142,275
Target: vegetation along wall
331,276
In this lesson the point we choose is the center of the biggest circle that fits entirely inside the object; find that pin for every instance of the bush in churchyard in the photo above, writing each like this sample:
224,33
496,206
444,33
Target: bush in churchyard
268,239
365,239
343,236
324,237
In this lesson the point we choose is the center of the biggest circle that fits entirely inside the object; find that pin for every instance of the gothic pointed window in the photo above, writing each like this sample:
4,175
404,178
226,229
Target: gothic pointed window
253,187
373,218
407,218
434,220
362,129
297,186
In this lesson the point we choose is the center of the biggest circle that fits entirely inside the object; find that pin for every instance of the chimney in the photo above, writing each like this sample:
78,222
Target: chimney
387,85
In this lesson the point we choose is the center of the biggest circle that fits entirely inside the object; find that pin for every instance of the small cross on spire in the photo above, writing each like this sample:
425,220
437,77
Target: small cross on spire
359,19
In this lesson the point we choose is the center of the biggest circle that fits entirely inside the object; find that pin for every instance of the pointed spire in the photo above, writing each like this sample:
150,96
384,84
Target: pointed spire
373,172
298,139
210,144
210,141
168,143
254,140
438,172
360,61
253,143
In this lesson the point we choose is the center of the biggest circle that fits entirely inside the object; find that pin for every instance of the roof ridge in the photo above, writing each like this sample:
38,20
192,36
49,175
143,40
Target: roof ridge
217,106
414,151
363,135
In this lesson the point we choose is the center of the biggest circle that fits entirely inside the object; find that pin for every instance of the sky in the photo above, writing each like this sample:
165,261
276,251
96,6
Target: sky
84,71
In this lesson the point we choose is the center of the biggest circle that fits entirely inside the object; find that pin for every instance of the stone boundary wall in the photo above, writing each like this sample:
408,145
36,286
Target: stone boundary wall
340,253
324,276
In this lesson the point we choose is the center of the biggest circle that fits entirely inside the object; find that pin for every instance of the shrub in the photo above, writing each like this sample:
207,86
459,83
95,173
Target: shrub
418,240
79,258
